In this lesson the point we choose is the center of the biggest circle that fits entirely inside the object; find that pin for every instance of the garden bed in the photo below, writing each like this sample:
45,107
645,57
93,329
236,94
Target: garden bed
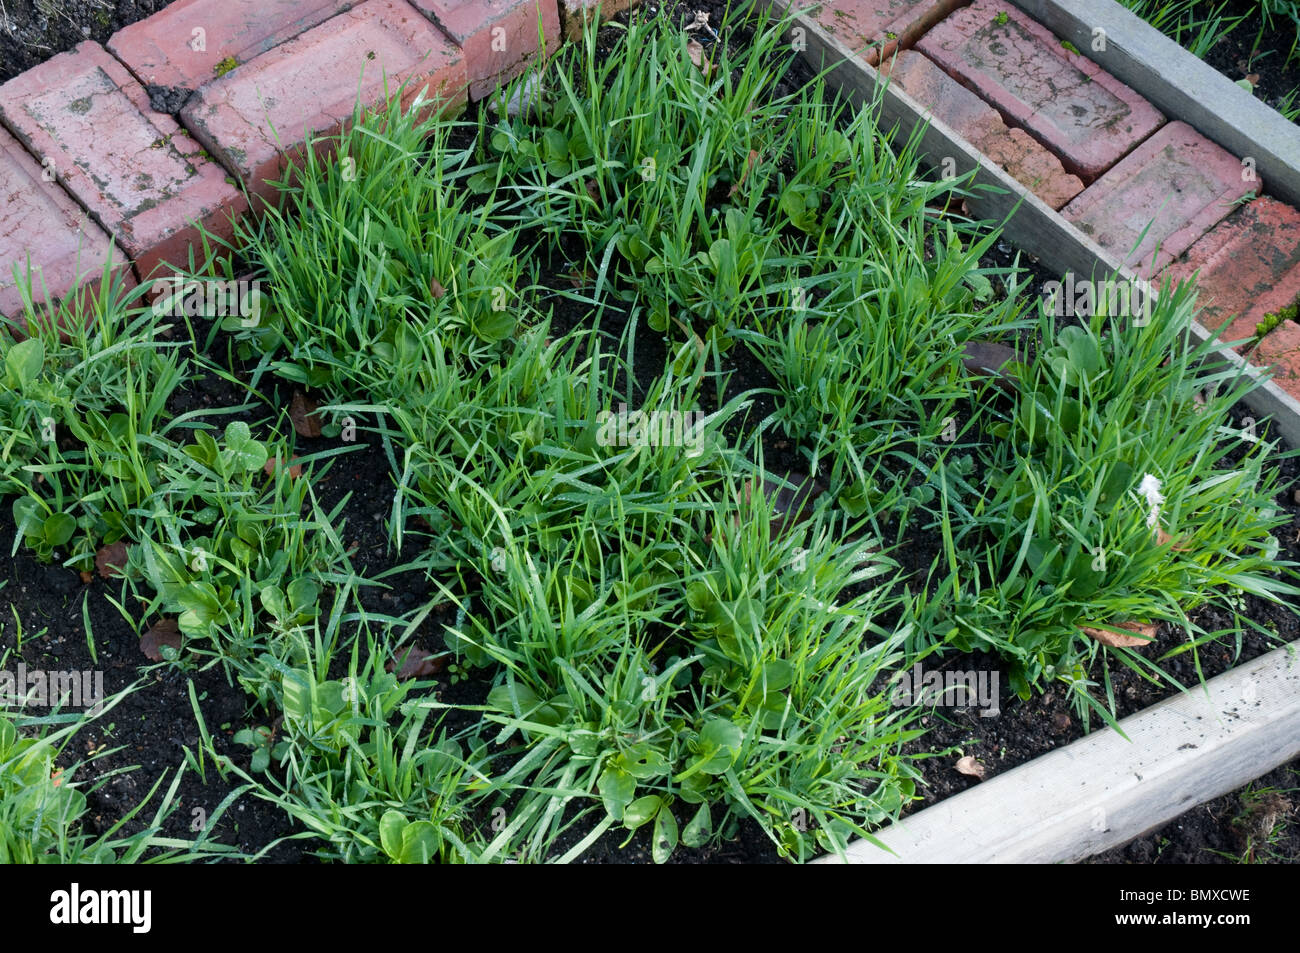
940,420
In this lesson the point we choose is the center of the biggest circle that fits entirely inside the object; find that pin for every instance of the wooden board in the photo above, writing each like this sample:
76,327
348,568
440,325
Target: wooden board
1102,790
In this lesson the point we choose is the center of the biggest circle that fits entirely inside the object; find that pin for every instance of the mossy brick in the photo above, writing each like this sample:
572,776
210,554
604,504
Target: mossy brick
1063,99
257,118
979,124
182,43
86,116
1249,267
875,29
498,37
1161,198
40,224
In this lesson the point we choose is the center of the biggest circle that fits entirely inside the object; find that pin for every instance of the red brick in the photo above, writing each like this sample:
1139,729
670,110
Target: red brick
1280,350
980,125
123,162
1026,161
256,118
498,37
161,49
576,13
38,219
876,28
1063,99
1177,181
1249,267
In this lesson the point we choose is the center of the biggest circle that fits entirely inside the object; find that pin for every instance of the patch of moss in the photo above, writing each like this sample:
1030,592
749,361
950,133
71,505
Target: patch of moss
1071,47
1271,321
225,66
1002,18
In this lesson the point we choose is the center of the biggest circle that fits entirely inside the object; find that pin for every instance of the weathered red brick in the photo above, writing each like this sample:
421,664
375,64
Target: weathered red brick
182,44
1249,267
1280,350
1177,182
980,125
149,186
256,118
498,37
38,220
1064,100
876,28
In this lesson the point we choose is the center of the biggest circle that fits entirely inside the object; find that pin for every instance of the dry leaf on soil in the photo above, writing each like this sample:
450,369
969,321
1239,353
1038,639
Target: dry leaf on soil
302,411
111,560
162,633
418,663
696,53
969,765
295,469
1179,545
1119,639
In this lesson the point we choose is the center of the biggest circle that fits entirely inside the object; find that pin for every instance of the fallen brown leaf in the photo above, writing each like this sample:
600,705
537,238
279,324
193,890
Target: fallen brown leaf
696,52
295,469
970,766
985,358
86,576
162,633
417,663
111,560
1179,545
302,411
1118,640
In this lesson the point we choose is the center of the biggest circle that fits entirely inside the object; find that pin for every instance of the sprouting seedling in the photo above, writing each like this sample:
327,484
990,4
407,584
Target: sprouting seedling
1150,490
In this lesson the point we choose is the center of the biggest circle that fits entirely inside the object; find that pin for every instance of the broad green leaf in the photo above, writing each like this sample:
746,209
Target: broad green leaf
665,836
696,833
617,788
24,361
391,826
420,843
641,811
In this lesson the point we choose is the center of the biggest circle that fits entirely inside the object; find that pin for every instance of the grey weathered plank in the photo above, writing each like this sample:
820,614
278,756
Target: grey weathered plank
1180,86
1102,790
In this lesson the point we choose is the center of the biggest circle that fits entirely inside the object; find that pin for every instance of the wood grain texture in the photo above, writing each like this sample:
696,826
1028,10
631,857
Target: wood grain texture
1103,790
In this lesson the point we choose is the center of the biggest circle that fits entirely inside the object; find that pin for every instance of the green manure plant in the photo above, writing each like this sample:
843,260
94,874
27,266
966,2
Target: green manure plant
739,686
408,257
44,808
1117,492
360,760
81,392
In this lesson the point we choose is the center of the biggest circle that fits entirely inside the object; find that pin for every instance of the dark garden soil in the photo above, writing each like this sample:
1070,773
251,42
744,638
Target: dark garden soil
1258,51
31,31
152,727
